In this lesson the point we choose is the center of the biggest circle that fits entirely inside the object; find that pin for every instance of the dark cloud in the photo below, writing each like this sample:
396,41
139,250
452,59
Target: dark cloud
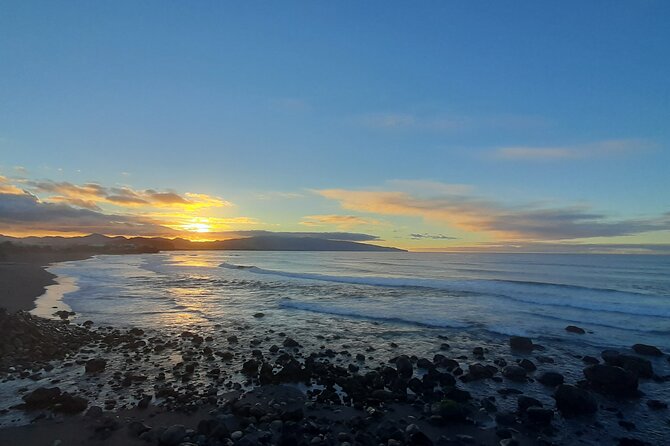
21,213
432,237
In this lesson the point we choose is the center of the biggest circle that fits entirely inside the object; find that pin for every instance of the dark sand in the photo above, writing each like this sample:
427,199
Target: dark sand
24,277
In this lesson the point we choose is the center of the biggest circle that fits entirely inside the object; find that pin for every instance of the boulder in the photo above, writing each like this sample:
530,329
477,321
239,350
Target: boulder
539,416
648,350
611,380
515,373
404,367
521,343
42,397
173,435
575,329
551,379
95,365
639,366
571,401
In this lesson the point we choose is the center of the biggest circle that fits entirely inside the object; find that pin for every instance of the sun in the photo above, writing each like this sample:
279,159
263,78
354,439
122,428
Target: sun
198,225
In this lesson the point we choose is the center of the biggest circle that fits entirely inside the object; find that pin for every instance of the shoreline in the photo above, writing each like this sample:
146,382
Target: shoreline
255,383
24,278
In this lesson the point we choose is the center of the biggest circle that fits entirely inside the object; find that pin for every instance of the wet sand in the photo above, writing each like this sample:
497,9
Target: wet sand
23,278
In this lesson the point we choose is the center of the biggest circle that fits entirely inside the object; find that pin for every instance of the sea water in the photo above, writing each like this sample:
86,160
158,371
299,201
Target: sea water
619,299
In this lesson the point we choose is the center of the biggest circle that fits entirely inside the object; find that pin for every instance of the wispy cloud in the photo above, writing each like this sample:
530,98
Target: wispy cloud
92,195
339,221
423,236
504,222
592,150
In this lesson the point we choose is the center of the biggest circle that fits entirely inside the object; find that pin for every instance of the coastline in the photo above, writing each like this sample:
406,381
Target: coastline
153,381
24,278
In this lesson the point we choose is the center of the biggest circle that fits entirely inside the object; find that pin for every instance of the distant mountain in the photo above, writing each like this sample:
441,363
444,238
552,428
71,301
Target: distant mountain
274,243
257,243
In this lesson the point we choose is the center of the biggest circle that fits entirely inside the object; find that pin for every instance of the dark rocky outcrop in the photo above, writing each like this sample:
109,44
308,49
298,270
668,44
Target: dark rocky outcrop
521,344
572,401
648,350
611,380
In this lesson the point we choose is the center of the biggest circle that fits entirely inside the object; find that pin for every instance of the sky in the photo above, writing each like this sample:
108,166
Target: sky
446,125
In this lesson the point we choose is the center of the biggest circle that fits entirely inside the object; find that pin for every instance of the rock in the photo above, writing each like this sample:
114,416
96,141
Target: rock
232,339
657,404
94,412
425,364
590,360
528,365
68,403
259,315
404,367
173,435
539,416
639,366
418,439
42,397
648,350
137,428
575,329
551,379
250,367
144,402
515,373
524,402
478,351
291,343
96,365
478,371
571,401
521,343
611,380
450,410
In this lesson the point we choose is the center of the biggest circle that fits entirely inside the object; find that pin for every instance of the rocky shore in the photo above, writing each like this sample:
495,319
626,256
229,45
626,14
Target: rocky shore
79,384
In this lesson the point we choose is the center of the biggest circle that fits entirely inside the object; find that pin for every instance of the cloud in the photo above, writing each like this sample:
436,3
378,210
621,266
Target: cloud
341,221
431,236
570,248
344,236
91,195
25,213
6,187
473,214
598,149
274,195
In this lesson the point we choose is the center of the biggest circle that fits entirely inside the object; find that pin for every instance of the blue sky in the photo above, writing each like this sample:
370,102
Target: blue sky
528,106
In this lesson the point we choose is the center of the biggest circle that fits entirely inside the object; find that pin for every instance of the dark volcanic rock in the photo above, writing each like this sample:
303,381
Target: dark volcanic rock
478,371
657,404
515,373
611,380
521,344
639,366
649,350
291,343
528,365
571,400
96,365
524,402
67,403
42,397
539,416
575,329
404,367
551,379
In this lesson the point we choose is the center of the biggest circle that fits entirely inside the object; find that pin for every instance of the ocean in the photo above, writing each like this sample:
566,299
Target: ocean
381,305
619,299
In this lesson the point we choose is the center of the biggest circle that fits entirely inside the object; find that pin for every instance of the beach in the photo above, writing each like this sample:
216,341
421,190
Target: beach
262,376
